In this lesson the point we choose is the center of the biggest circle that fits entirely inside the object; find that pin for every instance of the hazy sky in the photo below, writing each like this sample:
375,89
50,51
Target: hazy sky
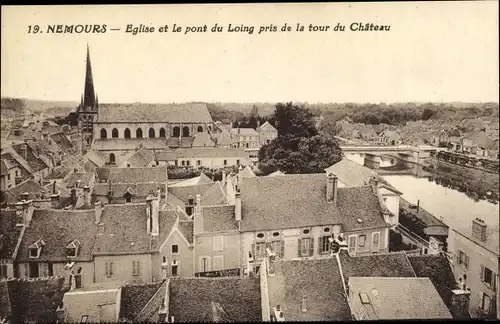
442,51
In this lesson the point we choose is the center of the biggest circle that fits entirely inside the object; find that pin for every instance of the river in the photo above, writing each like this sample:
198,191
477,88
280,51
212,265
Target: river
456,208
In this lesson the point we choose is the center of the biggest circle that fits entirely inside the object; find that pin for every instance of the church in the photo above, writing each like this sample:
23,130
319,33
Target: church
117,130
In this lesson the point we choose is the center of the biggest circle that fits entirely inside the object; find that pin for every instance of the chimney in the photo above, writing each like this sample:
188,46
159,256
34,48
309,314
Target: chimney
26,207
460,300
24,150
74,198
479,230
155,210
304,305
331,188
418,205
86,194
78,183
98,212
54,187
223,175
54,199
197,216
237,205
258,124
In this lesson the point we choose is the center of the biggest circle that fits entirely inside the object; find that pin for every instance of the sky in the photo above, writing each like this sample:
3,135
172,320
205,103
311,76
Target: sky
434,51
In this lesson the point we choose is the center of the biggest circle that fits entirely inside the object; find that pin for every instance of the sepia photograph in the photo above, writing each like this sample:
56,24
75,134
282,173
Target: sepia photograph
271,162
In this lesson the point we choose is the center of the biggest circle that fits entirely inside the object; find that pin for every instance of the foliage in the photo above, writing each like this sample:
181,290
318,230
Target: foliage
299,147
469,161
223,115
331,127
179,172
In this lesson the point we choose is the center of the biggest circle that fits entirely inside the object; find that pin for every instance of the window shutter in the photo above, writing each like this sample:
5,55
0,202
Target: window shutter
320,244
493,281
481,300
482,273
253,251
282,255
457,257
298,247
111,268
466,262
268,246
311,247
106,268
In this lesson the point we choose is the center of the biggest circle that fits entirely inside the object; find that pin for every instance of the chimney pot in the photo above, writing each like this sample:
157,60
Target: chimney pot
331,188
237,206
479,230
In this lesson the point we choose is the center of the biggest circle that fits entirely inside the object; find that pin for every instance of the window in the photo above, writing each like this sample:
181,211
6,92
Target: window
34,252
278,247
198,162
162,132
189,210
191,201
204,264
225,162
324,244
126,133
128,165
306,246
152,133
138,133
326,230
352,243
362,239
114,133
128,197
260,250
218,243
108,269
238,162
485,302
306,232
185,131
260,235
175,249
246,145
175,268
112,158
488,277
463,259
188,163
43,269
176,131
376,239
276,234
71,252
183,163
104,133
164,259
3,271
8,176
136,268
199,129
218,262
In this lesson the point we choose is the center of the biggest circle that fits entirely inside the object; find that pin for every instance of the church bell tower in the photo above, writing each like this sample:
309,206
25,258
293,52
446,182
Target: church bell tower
88,108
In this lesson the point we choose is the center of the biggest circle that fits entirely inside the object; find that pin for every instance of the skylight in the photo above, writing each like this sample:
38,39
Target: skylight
364,298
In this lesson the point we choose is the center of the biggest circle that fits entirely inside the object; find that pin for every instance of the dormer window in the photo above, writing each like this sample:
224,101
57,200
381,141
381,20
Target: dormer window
35,249
306,231
72,249
260,236
34,252
276,234
326,229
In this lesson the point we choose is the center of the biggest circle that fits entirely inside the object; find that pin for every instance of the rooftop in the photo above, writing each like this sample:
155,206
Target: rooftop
80,178
492,242
397,298
111,144
155,113
214,196
184,193
35,163
135,297
299,200
191,299
141,158
351,173
244,132
132,175
219,219
9,233
13,195
220,152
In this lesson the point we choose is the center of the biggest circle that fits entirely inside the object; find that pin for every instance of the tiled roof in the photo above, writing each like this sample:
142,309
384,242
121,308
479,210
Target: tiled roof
62,141
58,228
3,168
135,297
438,269
214,196
5,305
299,200
95,157
202,140
184,193
132,175
112,144
247,173
219,152
377,265
14,159
34,300
186,228
174,202
167,219
199,180
399,298
13,195
351,173
184,142
9,233
267,127
83,178
321,284
154,113
219,219
141,159
191,299
119,189
58,172
244,131
166,155
35,163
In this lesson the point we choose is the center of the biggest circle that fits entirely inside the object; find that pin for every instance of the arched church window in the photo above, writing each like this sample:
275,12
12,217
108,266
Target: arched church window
185,131
112,158
114,133
200,129
151,132
127,133
138,133
176,131
162,132
104,133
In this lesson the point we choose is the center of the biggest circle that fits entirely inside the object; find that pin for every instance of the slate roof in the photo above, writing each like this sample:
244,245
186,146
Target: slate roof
58,172
394,264
13,158
202,139
185,192
214,196
13,195
321,283
141,159
132,175
244,132
186,228
119,189
199,180
184,142
35,163
62,141
166,155
399,298
85,179
219,219
174,202
154,113
9,233
112,144
31,300
247,173
219,152
95,157
270,128
135,297
299,200
351,173
58,228
191,299
438,269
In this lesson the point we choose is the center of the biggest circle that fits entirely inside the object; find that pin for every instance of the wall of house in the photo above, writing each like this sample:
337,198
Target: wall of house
267,135
169,128
184,256
216,162
9,180
122,268
58,270
368,247
8,265
392,203
478,256
204,247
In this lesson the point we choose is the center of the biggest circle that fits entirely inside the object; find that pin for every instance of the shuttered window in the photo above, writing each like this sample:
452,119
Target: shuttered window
488,277
323,244
278,248
108,269
136,268
463,259
306,247
260,250
376,239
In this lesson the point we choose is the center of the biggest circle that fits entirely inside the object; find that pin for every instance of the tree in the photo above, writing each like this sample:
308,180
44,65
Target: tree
330,127
294,120
427,114
255,112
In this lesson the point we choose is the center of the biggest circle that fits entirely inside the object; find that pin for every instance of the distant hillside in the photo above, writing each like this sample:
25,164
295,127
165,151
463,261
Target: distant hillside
12,107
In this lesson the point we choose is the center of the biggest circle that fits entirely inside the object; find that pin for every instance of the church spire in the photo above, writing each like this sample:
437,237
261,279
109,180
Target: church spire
89,95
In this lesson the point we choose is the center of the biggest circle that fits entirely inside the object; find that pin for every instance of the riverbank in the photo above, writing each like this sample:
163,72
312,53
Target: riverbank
477,184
